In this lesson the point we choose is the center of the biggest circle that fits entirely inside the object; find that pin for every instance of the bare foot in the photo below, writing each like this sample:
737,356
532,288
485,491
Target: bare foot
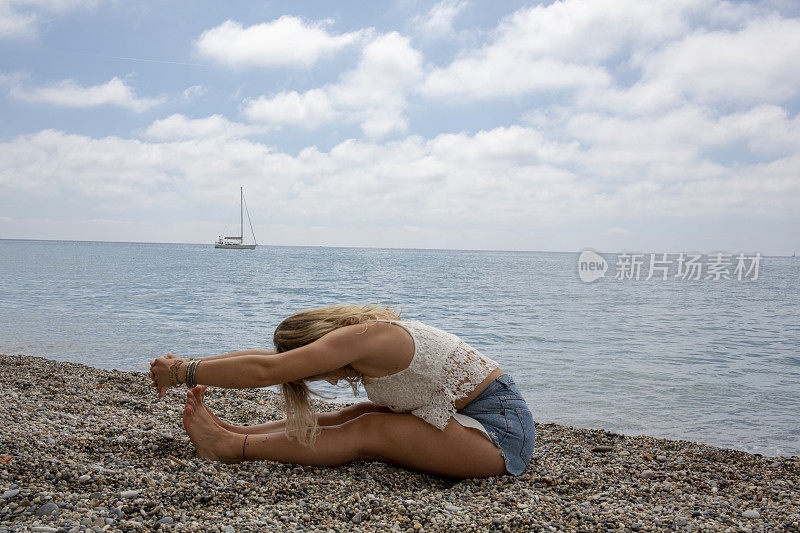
210,440
199,393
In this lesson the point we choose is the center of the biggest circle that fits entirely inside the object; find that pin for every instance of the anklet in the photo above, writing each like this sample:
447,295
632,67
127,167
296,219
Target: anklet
243,445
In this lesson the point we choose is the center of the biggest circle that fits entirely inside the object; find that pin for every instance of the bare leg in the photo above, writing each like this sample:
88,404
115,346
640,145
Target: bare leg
323,419
401,439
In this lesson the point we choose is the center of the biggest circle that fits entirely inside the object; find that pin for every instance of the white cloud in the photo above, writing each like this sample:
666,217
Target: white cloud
493,73
178,127
514,176
559,46
373,94
22,19
767,129
752,65
69,94
15,24
756,64
309,109
195,91
438,22
287,41
617,231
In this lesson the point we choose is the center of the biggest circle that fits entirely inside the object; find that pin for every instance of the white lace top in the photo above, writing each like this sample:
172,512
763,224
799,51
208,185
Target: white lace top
443,370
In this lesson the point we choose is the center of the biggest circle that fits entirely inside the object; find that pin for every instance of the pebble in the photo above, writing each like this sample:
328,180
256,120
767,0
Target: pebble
88,472
603,449
47,509
751,513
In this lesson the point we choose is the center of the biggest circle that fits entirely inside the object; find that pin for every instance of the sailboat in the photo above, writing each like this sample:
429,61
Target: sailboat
237,243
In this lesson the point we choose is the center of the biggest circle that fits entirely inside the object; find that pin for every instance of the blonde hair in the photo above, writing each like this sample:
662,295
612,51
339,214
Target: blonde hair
305,327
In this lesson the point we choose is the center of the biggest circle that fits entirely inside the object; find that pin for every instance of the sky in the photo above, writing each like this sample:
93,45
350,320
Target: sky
616,125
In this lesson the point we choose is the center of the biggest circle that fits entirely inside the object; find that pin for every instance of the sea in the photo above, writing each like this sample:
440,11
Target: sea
710,359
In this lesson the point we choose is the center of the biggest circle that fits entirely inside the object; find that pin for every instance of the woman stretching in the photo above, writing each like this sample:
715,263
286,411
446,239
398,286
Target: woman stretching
437,404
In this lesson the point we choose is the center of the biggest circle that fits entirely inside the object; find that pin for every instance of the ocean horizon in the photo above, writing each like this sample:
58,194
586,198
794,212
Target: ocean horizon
713,361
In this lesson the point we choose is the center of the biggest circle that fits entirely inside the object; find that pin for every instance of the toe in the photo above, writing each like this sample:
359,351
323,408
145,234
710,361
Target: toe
199,392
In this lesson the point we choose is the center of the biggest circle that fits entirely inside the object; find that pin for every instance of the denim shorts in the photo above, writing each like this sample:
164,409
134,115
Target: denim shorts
502,411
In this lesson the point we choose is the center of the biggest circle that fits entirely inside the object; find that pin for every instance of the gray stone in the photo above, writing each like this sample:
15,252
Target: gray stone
497,522
452,508
681,521
128,494
9,494
661,458
228,529
648,474
47,509
84,478
751,513
166,521
356,518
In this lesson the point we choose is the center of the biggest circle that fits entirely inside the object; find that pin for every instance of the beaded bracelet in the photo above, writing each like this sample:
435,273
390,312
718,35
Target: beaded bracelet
173,373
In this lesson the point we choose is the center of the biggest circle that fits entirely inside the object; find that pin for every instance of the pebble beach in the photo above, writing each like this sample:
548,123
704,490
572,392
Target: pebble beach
85,449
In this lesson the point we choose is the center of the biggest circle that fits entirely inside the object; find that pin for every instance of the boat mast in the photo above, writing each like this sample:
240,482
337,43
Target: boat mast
241,220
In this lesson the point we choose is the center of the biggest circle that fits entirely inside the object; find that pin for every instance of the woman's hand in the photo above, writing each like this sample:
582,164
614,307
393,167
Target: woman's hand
160,373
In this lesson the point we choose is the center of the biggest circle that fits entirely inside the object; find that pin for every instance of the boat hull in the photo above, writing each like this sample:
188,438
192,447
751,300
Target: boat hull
236,246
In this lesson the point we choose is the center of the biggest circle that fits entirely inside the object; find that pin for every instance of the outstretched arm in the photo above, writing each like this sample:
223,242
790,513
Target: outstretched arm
333,351
236,354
